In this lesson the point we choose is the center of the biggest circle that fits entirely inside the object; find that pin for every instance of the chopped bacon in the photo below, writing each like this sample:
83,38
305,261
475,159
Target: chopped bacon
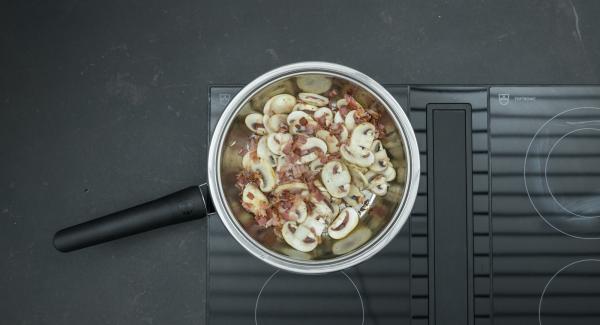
336,128
322,120
287,149
322,156
332,93
352,103
298,170
344,110
312,128
331,156
380,130
245,177
261,220
299,140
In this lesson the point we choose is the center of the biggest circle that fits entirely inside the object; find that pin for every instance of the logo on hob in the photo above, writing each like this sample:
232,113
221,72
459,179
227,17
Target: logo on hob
504,99
224,98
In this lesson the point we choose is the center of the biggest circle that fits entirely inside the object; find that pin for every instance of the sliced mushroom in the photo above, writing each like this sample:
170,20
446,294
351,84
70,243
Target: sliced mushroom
341,103
337,118
299,236
293,253
344,134
279,87
316,165
358,237
313,99
363,135
349,121
336,178
312,83
277,141
376,146
389,173
381,162
263,152
279,104
254,122
357,156
253,200
268,179
246,161
275,123
294,187
324,113
355,94
377,183
312,146
306,108
354,197
316,224
297,212
358,178
300,122
321,208
282,162
331,141
343,224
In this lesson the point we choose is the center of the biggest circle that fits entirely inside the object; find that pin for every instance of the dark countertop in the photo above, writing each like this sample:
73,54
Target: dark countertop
104,106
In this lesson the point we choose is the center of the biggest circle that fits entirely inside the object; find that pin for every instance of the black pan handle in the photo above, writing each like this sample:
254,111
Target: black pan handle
185,205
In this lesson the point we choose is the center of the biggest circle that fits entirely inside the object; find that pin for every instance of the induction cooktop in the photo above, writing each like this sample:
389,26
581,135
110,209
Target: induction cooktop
505,228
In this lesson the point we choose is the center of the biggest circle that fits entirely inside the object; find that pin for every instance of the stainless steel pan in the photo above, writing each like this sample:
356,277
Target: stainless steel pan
378,226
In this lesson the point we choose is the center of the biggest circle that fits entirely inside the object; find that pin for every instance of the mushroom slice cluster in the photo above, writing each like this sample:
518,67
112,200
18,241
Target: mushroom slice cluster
314,161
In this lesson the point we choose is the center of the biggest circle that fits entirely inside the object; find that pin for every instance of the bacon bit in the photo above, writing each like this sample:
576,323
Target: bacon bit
332,93
309,176
336,128
298,170
374,114
344,110
300,139
352,103
380,130
245,177
322,120
261,220
287,149
331,157
315,192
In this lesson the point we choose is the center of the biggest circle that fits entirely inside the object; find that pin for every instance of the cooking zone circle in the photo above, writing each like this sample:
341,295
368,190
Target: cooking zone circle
332,295
572,295
562,172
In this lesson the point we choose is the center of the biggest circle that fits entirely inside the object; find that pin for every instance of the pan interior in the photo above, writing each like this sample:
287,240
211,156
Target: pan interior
382,209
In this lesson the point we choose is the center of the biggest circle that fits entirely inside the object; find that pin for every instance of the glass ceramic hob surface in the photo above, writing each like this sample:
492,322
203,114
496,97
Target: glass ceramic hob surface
545,168
529,250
